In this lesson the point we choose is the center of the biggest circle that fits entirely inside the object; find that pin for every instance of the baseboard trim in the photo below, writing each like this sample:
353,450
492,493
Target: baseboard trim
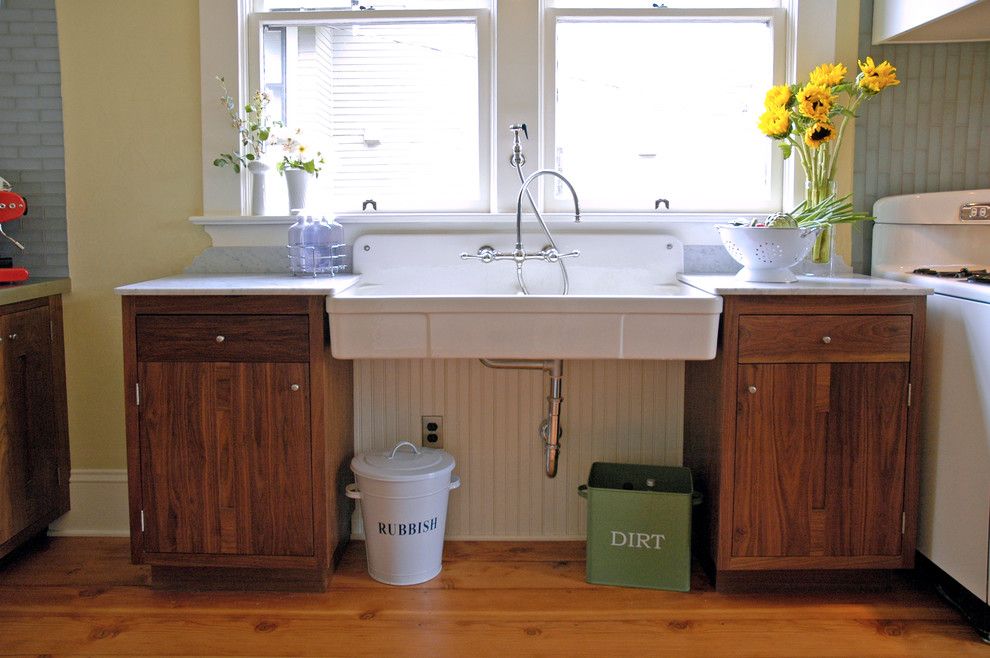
99,509
98,499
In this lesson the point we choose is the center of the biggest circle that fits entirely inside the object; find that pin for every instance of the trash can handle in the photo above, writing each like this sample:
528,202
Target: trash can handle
351,491
404,443
455,481
583,490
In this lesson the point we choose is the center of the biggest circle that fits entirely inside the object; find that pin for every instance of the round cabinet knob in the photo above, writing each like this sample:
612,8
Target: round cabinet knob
826,339
220,339
751,389
294,387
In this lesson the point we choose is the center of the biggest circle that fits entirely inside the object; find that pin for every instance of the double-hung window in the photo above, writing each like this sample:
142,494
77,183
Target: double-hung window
648,104
396,98
632,102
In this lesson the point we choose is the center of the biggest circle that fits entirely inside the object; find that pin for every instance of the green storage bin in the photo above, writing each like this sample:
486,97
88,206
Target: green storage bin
639,525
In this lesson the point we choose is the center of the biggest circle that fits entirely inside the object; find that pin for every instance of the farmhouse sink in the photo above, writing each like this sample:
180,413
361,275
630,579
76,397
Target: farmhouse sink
417,298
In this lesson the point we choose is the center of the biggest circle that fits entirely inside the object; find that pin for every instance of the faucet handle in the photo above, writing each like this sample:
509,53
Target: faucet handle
486,254
551,255
516,127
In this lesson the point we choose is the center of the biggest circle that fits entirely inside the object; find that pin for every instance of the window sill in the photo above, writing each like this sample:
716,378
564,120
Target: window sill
271,230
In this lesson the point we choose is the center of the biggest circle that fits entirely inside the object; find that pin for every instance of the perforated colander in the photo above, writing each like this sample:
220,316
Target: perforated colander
766,253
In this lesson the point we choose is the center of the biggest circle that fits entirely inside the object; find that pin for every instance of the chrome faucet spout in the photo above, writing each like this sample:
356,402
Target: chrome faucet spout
522,191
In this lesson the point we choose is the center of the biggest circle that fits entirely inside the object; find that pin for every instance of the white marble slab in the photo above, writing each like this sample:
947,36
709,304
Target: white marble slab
240,284
33,288
849,284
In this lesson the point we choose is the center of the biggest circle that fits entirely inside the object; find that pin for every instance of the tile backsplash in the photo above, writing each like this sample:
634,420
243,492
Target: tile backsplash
31,151
929,134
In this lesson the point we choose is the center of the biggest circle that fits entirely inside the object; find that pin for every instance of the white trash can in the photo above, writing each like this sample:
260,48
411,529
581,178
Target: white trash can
403,496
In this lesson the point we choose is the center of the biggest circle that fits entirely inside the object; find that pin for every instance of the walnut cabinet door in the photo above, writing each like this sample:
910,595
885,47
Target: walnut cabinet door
819,460
28,468
226,458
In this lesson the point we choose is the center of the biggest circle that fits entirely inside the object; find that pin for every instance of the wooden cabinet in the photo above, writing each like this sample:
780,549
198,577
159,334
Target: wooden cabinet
802,436
239,438
34,451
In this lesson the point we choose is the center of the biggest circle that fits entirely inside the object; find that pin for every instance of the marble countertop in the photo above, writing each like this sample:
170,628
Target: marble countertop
848,284
285,284
240,284
33,288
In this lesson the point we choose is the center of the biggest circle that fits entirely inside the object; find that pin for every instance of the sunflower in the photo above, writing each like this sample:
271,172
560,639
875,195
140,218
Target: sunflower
875,77
828,75
818,133
779,96
776,122
815,101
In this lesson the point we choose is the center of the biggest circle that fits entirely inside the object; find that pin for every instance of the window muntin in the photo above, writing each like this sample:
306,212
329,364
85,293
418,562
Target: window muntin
662,107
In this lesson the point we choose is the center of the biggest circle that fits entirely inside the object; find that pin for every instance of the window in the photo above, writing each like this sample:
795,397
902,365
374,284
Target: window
411,101
662,107
391,97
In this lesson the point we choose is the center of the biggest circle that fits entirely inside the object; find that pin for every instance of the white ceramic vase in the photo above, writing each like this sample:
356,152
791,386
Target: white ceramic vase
297,181
259,171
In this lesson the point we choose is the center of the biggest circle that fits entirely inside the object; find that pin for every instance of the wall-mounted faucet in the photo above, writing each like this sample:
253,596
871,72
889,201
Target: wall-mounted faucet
549,254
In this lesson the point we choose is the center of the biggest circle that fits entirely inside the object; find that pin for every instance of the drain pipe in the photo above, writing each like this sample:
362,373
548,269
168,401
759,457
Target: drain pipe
550,430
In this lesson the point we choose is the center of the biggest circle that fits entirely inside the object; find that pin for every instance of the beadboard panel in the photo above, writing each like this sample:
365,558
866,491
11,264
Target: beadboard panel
616,411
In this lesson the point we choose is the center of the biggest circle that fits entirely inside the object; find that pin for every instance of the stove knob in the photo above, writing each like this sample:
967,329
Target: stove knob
826,339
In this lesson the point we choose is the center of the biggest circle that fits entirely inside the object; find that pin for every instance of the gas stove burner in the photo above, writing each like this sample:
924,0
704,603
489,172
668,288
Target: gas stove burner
961,273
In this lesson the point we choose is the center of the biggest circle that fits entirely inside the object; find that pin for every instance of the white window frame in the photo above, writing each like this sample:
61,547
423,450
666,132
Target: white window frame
816,32
258,20
774,17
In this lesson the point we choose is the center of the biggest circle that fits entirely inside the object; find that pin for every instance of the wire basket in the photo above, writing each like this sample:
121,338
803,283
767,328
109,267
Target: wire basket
766,254
317,260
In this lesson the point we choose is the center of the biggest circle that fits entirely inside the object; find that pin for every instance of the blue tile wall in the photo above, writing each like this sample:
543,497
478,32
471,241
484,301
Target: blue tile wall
31,152
929,134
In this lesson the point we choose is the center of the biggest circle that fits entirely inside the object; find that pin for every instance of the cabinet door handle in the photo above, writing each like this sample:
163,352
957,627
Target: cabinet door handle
12,336
826,339
751,389
220,339
294,387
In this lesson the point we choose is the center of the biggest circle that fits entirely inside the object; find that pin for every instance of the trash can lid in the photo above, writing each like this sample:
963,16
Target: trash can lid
403,463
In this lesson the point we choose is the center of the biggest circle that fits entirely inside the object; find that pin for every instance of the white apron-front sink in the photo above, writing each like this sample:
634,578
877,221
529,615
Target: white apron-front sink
417,298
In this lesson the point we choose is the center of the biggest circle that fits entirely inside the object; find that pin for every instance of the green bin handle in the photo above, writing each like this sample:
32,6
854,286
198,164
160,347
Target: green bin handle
696,496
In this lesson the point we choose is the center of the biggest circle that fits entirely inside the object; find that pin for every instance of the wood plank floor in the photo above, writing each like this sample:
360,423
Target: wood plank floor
81,596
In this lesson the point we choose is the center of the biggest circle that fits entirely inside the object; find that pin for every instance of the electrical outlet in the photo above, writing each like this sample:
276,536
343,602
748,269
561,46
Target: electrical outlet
433,431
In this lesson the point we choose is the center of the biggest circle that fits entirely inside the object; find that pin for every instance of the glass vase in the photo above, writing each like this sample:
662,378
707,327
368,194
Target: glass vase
821,258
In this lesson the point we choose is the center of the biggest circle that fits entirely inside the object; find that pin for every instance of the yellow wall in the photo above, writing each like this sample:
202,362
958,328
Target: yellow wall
131,111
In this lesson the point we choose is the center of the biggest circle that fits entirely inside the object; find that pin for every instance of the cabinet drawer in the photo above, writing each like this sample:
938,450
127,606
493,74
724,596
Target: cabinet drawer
222,338
824,338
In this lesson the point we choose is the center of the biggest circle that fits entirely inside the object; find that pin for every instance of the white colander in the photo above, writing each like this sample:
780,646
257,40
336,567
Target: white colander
767,253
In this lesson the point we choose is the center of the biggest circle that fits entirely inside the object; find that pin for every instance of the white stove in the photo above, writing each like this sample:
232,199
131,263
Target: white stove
941,241
969,281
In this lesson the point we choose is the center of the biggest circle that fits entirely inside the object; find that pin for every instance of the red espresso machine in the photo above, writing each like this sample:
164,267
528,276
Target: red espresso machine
12,206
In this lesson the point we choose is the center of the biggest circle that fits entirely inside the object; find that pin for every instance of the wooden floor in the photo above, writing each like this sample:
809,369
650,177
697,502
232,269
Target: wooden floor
75,596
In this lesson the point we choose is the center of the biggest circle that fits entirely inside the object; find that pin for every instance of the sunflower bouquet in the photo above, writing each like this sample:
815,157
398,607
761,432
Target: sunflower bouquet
811,118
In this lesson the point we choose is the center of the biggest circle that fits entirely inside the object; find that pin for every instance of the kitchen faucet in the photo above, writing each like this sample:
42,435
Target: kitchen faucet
519,255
